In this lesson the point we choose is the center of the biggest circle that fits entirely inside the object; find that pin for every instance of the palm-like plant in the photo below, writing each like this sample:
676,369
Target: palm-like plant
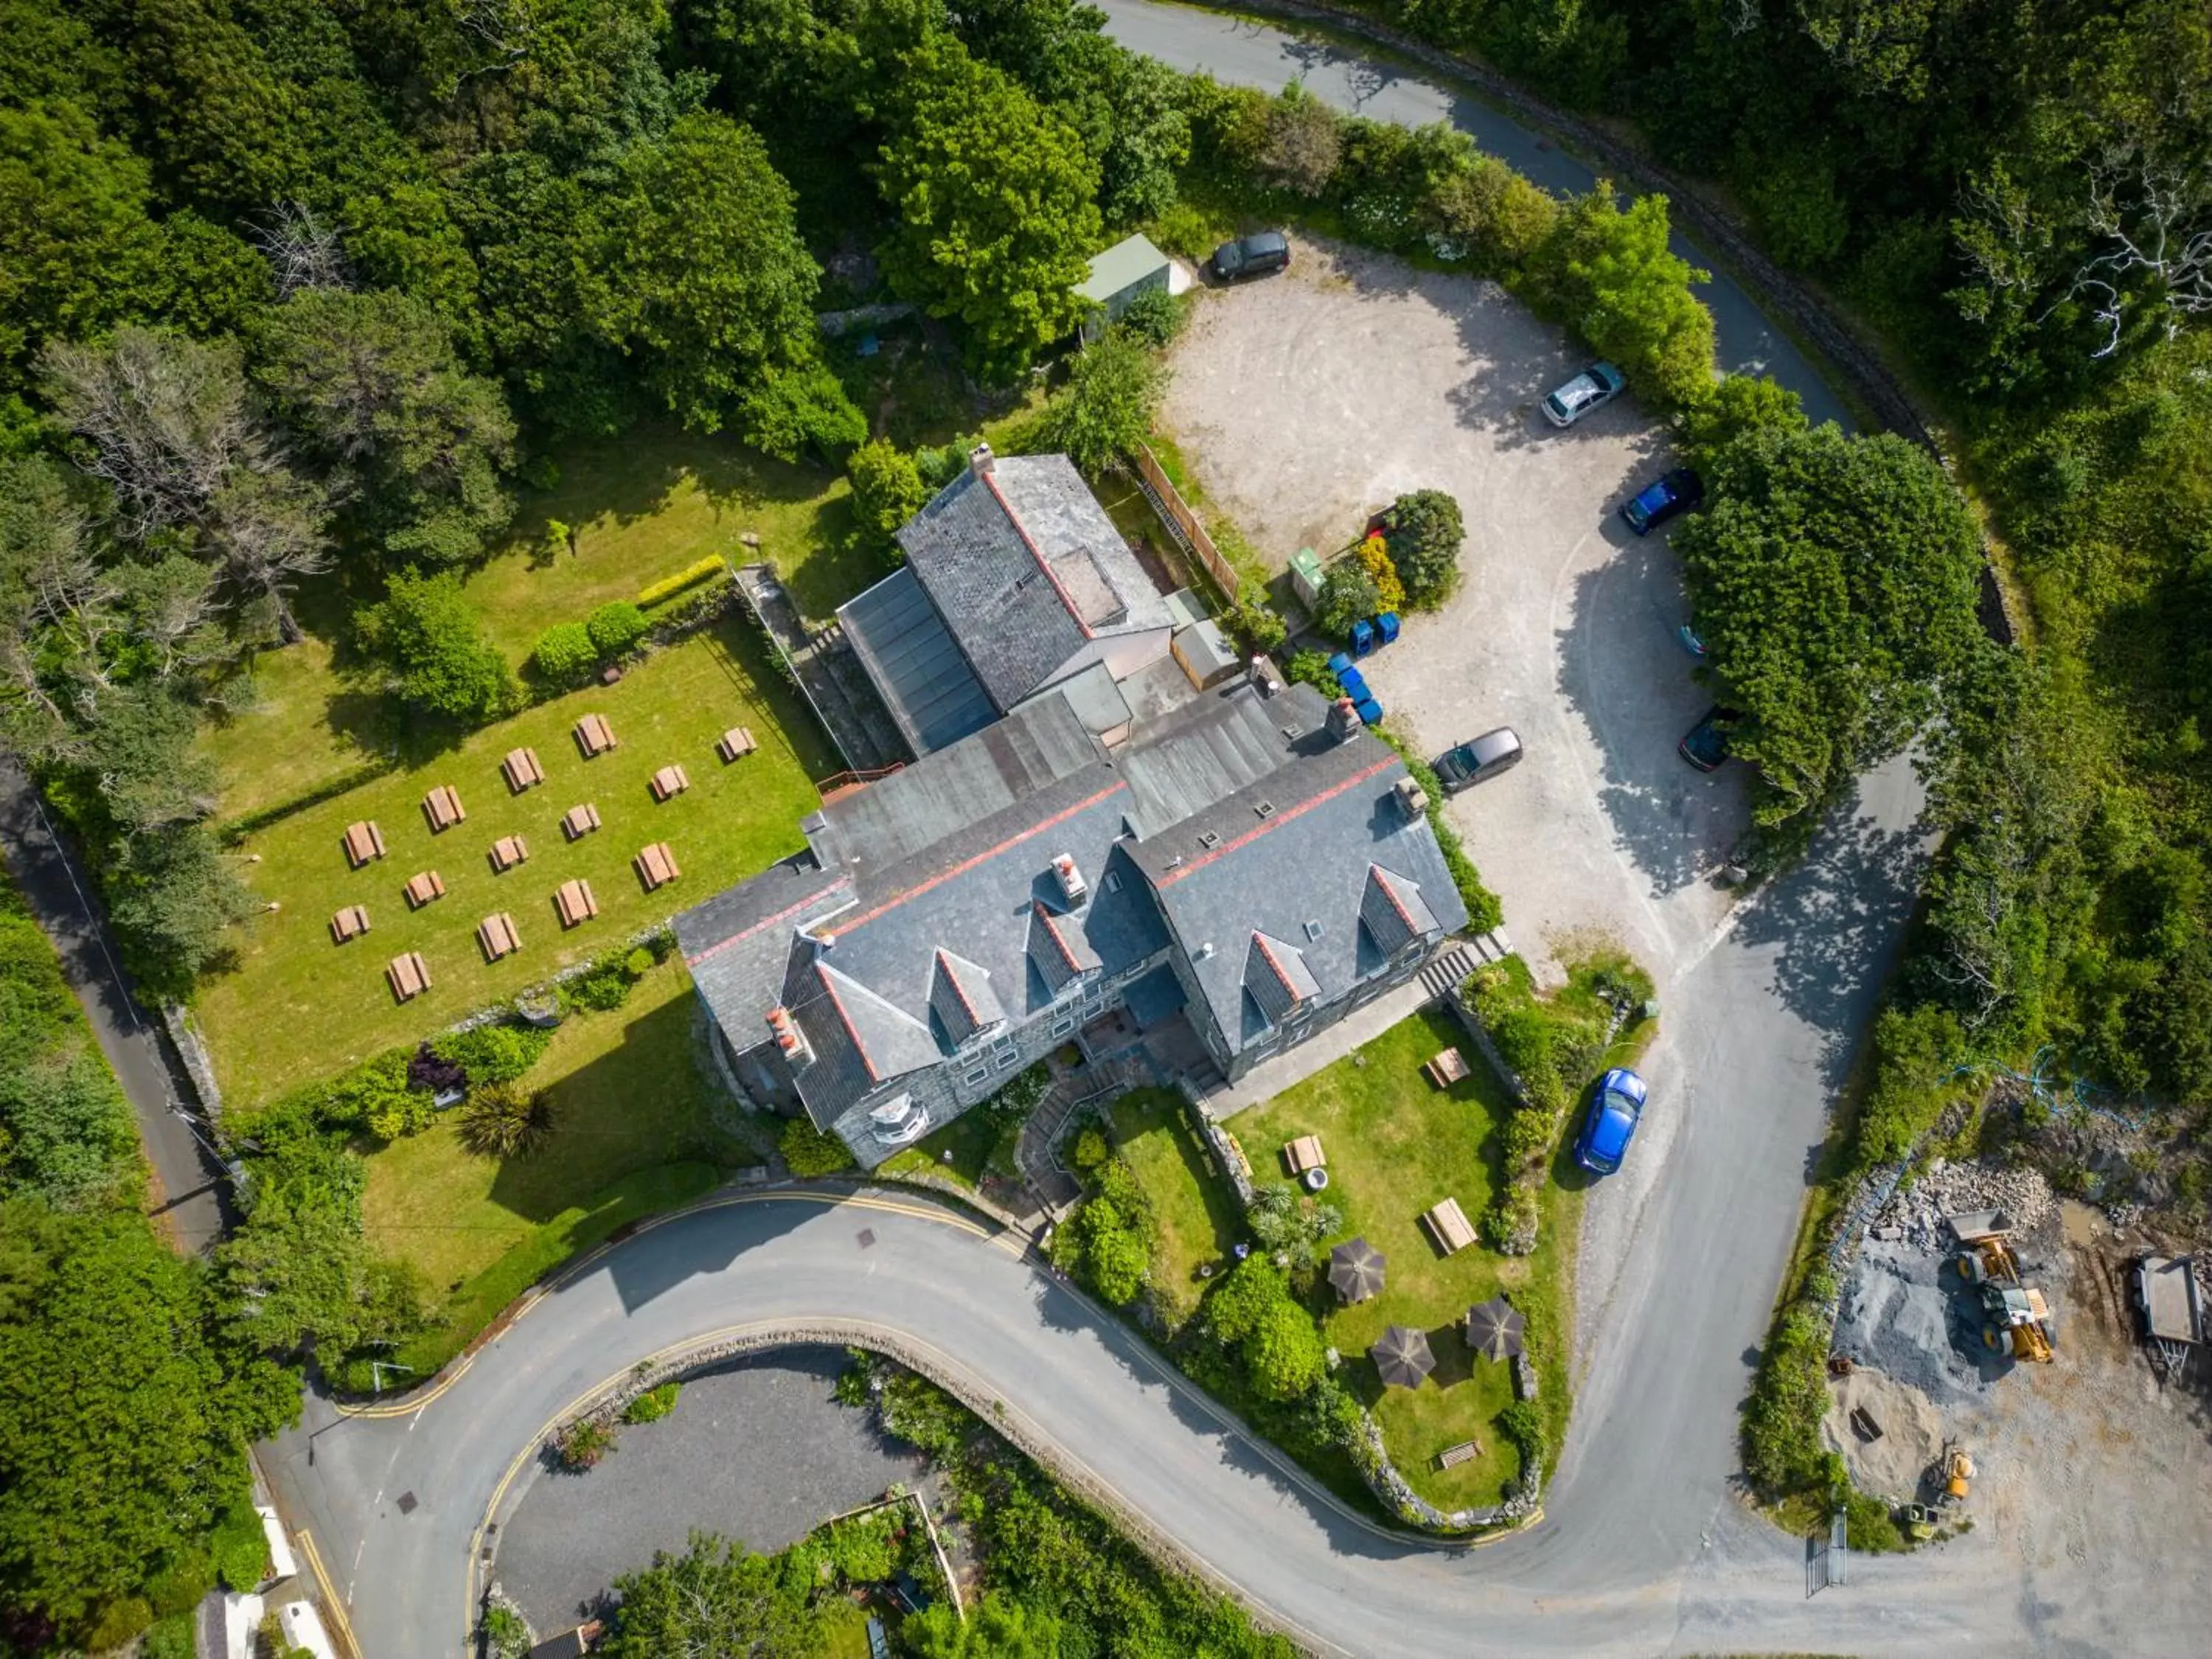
504,1120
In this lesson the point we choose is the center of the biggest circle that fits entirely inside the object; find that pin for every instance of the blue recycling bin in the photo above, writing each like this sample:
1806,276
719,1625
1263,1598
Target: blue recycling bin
1339,664
1387,626
1363,638
1368,710
1354,682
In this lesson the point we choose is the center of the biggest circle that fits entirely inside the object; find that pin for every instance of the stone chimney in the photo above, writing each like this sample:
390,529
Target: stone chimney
1343,718
1412,799
980,459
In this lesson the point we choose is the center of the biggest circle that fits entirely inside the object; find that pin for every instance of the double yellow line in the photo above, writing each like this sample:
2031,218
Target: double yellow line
340,1627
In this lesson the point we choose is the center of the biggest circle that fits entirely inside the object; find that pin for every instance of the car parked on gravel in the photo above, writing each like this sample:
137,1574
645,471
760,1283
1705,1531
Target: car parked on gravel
1478,760
1662,499
1705,745
1616,1108
1595,387
1254,255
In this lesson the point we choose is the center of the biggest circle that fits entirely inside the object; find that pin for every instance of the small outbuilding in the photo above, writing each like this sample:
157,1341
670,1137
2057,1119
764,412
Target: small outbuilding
1203,654
1120,274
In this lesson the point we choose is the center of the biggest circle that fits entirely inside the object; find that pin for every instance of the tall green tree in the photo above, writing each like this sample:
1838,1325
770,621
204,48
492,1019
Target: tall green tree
123,1417
441,662
1630,297
715,1598
996,200
1835,580
373,382
1112,395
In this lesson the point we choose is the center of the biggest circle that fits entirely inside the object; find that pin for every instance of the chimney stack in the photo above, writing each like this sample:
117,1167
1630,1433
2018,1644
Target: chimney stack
980,459
1412,797
1072,887
1343,718
1261,674
789,1038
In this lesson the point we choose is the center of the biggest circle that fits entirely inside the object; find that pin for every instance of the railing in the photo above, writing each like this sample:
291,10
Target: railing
851,778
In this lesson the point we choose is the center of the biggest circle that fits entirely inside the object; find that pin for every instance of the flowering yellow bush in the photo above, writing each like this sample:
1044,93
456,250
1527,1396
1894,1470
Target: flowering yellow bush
1374,557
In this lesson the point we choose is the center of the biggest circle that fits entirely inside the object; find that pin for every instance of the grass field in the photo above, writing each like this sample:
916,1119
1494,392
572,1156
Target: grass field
1194,1218
296,1006
642,506
1395,1145
627,1098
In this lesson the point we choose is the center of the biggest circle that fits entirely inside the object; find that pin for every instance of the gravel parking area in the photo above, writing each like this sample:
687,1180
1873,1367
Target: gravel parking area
759,1451
1307,401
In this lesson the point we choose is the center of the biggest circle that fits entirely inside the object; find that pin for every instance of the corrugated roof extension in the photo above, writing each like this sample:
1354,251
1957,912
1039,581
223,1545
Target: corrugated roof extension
1393,910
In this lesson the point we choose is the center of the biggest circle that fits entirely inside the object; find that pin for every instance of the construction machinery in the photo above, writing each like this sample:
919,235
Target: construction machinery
1954,1471
1919,1522
2018,1319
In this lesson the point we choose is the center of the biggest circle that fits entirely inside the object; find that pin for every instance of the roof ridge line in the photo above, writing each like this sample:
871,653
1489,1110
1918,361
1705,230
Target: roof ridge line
1275,821
1036,552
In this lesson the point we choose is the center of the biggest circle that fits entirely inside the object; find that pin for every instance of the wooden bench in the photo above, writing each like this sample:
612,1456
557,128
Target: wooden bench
508,852
348,923
363,841
408,975
594,736
579,821
422,887
735,744
669,783
656,866
1303,1154
1447,1069
442,806
1449,1224
497,936
521,769
576,903
1452,1457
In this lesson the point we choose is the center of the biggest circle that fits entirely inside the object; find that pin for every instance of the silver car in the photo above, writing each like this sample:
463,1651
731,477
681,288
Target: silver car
1478,760
1595,386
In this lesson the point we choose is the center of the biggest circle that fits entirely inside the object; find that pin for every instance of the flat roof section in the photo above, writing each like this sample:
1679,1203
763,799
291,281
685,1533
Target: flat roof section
925,683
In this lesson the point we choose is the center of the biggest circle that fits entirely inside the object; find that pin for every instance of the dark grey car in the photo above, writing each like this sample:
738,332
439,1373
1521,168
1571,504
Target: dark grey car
1252,256
1478,760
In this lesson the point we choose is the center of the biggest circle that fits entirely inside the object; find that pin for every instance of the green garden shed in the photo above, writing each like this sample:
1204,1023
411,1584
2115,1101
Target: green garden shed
1118,275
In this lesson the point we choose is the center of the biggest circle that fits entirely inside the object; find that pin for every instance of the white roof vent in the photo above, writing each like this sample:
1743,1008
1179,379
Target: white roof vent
1072,888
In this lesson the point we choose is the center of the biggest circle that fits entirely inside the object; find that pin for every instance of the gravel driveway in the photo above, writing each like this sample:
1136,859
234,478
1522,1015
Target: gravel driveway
1309,400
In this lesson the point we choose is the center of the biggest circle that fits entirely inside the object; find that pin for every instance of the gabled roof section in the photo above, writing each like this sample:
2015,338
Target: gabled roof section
1058,947
1393,911
738,944
1278,977
931,694
889,1042
1024,567
961,996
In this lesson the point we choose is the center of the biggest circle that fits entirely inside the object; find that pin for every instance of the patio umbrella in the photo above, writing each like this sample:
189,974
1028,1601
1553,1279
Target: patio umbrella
1403,1356
1355,1269
1494,1327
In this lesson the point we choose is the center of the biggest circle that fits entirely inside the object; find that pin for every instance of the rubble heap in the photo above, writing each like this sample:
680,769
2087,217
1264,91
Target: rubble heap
1915,1214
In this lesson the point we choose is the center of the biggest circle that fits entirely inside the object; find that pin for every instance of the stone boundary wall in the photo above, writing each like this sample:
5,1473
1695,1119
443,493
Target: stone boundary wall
199,1064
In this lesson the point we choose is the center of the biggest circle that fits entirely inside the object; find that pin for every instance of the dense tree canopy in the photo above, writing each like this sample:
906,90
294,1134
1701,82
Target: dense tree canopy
1835,580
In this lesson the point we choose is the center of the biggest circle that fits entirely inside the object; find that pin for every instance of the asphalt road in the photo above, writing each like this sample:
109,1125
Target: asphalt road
192,1202
1239,51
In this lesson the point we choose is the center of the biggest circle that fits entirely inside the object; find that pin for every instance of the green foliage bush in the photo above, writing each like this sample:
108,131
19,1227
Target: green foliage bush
1153,317
1112,394
1090,1153
616,627
239,1547
584,1444
1425,532
887,490
496,1052
1311,668
1108,1243
1254,627
803,410
1612,273
1284,1219
433,643
1782,1450
810,1153
683,581
505,1119
654,1404
564,654
1348,594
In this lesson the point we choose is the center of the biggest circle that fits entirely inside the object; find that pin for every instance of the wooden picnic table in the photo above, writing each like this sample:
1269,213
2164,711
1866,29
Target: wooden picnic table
363,841
594,736
442,806
423,886
1447,1069
669,782
1304,1153
735,744
498,937
575,903
408,974
1449,1223
350,922
522,769
579,821
508,852
656,866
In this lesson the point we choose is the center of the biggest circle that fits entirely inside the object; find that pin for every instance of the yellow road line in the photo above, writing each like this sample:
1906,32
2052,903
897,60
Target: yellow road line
583,1263
333,1608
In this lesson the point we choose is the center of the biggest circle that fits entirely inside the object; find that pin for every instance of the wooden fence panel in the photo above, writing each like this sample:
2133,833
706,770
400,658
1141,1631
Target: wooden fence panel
1223,573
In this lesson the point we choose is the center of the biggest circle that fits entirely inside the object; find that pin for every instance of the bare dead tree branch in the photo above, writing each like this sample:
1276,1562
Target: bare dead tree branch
303,250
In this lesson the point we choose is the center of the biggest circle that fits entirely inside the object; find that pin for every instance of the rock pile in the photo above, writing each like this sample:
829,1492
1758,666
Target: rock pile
1914,1215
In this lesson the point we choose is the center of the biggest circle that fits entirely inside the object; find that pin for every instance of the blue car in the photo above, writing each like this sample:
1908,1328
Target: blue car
1615,1110
1677,492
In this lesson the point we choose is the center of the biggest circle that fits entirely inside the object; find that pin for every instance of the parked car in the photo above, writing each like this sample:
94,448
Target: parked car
1615,1109
1692,641
1706,744
1596,385
1252,256
1478,760
1662,499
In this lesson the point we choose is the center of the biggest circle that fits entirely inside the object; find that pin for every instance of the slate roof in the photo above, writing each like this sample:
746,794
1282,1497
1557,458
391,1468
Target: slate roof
1276,975
931,693
1025,568
1297,874
1217,744
961,998
738,944
1393,911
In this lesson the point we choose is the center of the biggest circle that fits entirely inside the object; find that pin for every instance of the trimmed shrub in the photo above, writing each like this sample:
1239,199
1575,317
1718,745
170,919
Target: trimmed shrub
810,1152
496,1053
564,654
654,1404
887,490
614,627
1155,317
689,577
1374,556
1426,531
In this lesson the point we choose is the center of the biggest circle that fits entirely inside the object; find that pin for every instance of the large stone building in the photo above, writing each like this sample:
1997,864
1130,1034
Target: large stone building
1255,865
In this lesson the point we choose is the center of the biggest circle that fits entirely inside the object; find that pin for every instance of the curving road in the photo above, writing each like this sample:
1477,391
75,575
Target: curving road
1645,1550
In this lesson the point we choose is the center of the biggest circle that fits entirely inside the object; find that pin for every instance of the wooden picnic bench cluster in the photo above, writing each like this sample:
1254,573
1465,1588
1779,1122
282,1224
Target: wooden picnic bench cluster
573,901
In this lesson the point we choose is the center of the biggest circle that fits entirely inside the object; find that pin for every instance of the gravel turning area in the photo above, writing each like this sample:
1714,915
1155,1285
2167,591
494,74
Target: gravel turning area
759,1451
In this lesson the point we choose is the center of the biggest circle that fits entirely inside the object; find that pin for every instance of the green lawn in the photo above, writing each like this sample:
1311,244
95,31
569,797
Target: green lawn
627,1098
1194,1217
1395,1145
970,1139
296,1006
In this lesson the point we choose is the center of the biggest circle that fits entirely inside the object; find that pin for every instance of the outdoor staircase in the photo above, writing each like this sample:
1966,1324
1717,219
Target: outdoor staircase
1037,1150
1447,971
827,673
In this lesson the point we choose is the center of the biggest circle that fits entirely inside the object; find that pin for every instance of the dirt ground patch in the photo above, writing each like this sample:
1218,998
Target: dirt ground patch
1911,1432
